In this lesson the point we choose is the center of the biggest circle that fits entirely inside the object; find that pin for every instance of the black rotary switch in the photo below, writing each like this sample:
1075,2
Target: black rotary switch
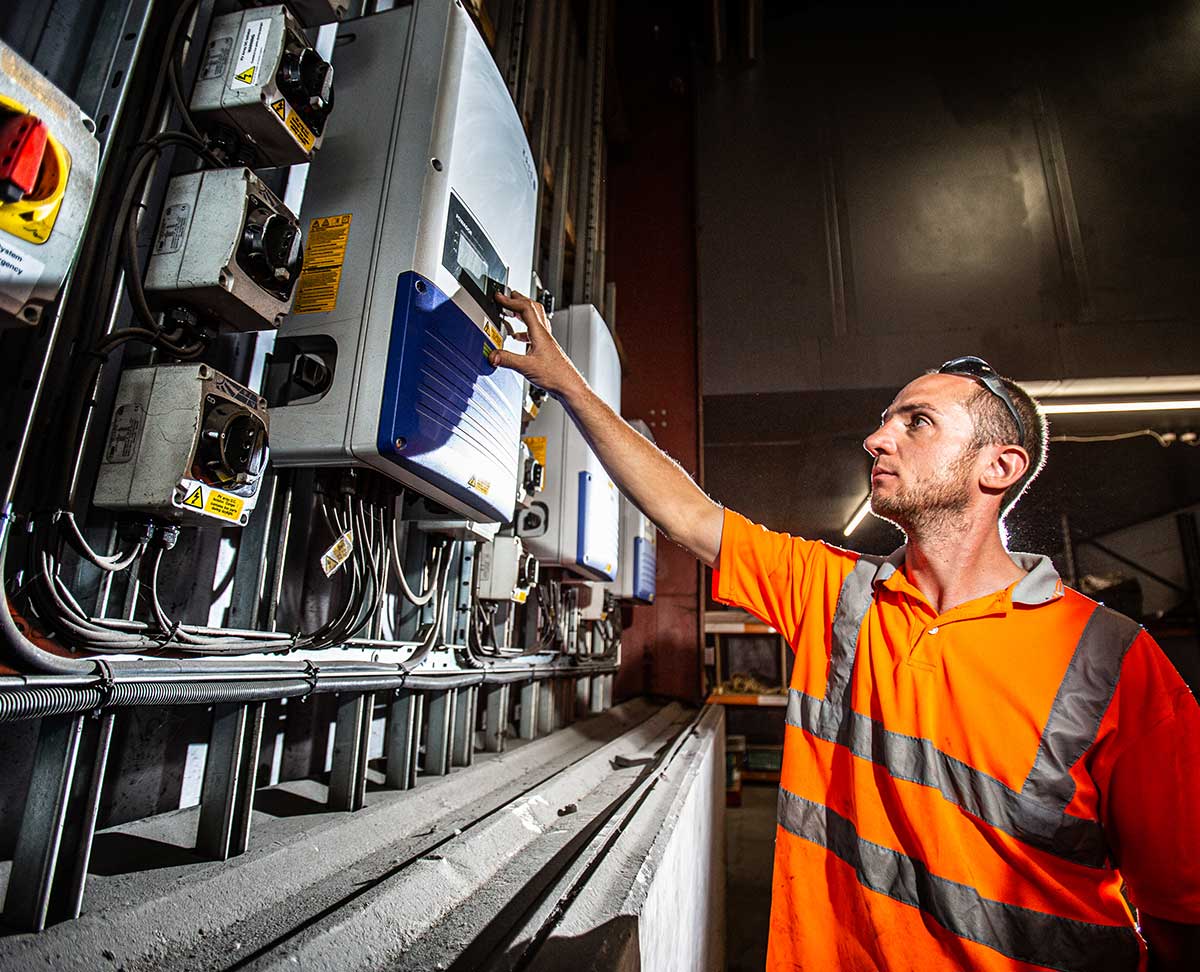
270,249
233,444
306,80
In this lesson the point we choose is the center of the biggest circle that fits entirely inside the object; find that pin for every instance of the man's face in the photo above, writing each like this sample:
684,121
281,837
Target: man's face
925,472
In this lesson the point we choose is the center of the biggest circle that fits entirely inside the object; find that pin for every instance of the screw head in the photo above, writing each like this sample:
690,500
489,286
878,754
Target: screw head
401,442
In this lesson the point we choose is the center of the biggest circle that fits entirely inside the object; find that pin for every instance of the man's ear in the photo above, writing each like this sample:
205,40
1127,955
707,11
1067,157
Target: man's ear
1008,465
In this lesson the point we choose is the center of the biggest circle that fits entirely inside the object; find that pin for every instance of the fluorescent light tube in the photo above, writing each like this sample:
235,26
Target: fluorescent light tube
859,515
1087,408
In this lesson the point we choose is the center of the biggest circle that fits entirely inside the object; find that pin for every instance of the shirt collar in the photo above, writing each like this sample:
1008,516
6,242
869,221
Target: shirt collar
1039,585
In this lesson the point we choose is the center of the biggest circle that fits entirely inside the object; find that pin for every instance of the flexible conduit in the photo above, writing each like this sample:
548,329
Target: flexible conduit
50,700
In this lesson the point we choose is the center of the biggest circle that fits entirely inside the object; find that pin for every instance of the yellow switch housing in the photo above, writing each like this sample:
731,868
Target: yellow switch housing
32,218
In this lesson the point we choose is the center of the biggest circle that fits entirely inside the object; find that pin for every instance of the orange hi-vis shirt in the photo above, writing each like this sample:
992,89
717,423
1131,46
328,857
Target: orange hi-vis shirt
969,790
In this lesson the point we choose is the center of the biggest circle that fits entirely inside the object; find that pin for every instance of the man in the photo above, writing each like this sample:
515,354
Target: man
976,759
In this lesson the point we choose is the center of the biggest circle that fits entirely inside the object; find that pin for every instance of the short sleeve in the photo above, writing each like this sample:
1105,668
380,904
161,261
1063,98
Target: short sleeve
776,576
1150,787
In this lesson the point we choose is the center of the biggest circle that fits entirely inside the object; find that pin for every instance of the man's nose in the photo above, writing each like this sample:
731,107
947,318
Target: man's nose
878,441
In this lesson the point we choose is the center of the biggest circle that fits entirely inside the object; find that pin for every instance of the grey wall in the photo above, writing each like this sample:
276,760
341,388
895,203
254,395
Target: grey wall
875,195
884,190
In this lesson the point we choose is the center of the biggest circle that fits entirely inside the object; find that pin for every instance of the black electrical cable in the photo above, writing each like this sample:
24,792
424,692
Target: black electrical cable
84,315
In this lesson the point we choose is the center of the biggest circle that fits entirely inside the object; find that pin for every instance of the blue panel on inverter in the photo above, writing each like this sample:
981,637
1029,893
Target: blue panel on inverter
595,547
457,418
645,565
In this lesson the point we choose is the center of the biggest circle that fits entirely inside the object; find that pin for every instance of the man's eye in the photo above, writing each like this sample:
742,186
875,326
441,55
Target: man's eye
918,420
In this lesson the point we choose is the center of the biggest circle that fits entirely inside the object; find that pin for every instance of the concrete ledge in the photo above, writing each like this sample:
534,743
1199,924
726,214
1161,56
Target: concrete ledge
160,907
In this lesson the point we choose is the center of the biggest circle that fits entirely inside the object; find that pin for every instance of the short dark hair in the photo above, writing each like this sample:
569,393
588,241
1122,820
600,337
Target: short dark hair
995,426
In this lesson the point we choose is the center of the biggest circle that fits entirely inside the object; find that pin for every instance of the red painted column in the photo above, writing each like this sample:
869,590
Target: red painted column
651,256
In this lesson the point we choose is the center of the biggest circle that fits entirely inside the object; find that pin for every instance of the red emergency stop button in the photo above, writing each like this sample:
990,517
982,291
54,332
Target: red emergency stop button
22,146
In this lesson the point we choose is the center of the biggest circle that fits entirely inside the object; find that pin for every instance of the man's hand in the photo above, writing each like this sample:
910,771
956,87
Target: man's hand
655,483
544,362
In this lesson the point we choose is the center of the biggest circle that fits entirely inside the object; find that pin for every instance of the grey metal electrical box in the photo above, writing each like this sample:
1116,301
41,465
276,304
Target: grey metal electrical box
186,444
263,82
504,571
227,246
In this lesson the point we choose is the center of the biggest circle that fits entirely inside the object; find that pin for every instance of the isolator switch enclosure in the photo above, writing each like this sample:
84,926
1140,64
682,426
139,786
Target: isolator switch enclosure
504,571
228,247
592,604
574,521
414,216
186,444
262,82
48,159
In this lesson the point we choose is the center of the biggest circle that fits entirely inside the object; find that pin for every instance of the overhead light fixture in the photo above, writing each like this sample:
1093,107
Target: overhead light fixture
1089,408
859,515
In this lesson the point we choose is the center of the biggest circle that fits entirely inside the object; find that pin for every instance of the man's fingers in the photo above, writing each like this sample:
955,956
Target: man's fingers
531,312
504,359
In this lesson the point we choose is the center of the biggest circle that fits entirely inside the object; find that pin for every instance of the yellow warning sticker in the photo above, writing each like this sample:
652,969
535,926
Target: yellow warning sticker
521,596
493,334
480,485
537,447
324,254
338,554
246,77
212,502
225,505
300,132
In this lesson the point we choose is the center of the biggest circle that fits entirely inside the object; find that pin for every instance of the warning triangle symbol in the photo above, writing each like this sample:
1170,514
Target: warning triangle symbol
280,108
195,499
246,77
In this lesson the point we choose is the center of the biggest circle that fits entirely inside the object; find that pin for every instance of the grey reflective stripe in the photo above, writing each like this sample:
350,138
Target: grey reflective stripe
919,761
1083,697
1035,815
1019,933
854,600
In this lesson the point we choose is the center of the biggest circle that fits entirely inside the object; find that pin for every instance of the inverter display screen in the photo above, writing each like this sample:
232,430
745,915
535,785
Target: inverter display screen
471,261
467,252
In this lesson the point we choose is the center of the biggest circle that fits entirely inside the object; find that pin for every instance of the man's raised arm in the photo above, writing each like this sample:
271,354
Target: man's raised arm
654,481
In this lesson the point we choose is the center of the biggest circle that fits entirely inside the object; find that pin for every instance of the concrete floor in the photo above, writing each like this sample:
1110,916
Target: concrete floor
749,852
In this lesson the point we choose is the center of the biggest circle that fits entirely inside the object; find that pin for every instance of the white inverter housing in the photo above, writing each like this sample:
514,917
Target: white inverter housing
579,506
420,205
636,577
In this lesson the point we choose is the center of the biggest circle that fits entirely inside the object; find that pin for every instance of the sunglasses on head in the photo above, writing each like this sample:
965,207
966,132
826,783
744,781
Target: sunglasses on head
969,366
